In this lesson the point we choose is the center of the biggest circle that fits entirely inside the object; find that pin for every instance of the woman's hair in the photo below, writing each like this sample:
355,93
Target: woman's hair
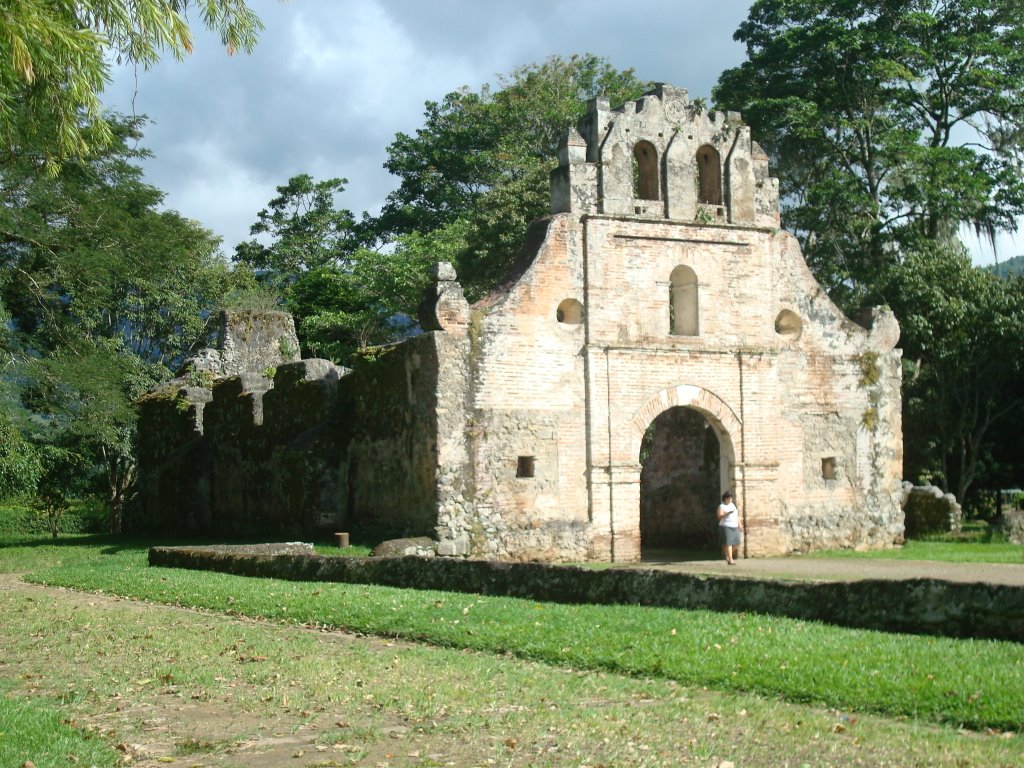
727,495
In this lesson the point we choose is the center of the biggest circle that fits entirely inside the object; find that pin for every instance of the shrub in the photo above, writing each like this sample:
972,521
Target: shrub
22,518
20,467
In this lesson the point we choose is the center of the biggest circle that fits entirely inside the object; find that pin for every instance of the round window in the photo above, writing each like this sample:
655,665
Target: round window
570,312
788,325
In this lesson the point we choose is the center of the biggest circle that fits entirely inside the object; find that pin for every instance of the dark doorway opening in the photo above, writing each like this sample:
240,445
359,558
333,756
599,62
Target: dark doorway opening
680,481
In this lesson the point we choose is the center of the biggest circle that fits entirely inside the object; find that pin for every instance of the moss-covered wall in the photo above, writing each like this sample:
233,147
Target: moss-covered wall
250,457
173,457
387,412
312,450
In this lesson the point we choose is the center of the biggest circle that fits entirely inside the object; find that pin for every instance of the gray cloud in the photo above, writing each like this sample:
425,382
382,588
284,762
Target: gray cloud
332,81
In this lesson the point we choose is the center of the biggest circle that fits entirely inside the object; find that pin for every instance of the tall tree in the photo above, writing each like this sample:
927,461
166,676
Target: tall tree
478,168
305,228
20,466
104,294
343,297
887,121
55,58
961,331
892,124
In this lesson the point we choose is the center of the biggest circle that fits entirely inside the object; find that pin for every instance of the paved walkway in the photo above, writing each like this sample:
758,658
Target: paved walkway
854,569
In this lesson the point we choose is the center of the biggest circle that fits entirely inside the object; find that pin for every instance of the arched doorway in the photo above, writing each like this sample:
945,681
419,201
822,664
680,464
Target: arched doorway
680,484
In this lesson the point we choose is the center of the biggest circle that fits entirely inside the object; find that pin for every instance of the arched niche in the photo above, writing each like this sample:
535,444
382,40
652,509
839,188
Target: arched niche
684,317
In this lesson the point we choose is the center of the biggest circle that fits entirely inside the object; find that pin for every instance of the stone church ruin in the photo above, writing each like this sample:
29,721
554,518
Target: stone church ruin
659,341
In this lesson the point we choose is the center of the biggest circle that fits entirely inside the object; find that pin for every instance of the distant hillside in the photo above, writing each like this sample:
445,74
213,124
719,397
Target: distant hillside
1014,266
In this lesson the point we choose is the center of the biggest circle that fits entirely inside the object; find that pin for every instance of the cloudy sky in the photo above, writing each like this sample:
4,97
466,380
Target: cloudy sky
331,82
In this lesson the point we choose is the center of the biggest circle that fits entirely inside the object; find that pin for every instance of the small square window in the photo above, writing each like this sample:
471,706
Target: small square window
828,468
526,466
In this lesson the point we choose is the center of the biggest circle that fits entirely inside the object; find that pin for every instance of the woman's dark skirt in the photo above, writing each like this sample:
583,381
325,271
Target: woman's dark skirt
730,536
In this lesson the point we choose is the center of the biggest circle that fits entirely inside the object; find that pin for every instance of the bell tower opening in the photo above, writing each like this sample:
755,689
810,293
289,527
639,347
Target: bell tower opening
645,171
709,176
680,478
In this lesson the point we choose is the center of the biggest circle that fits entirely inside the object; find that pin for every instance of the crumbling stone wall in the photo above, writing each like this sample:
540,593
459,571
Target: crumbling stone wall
1011,523
928,510
173,461
311,449
247,341
387,420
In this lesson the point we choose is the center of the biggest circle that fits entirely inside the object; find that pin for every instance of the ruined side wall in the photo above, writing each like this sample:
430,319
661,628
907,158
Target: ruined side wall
387,415
526,416
233,429
312,450
172,459
248,457
273,455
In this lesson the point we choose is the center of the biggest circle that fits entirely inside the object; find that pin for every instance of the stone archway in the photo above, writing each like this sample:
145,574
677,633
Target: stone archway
708,416
680,483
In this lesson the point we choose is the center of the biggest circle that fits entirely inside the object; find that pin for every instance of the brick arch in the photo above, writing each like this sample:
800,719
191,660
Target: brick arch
721,417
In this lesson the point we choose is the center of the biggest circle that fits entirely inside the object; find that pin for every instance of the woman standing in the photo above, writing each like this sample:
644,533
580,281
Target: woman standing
729,528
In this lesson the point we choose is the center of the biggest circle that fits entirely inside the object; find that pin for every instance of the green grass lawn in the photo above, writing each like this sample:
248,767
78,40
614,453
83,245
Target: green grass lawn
201,688
979,684
964,550
31,731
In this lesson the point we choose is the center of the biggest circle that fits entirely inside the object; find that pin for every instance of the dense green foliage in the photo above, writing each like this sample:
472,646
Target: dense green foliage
476,174
27,518
20,465
56,58
1013,267
887,123
892,126
104,294
343,297
964,378
976,683
99,291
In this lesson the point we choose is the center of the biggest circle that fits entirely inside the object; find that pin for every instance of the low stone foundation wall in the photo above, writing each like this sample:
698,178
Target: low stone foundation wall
919,606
